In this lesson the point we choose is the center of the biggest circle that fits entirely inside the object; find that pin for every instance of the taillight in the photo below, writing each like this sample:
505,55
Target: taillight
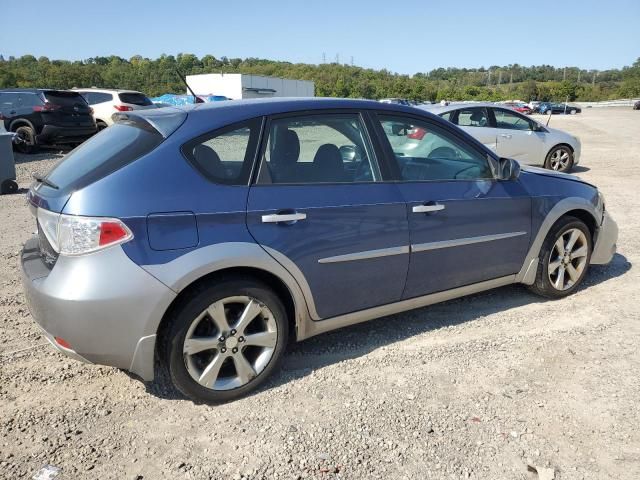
47,107
76,235
122,108
416,133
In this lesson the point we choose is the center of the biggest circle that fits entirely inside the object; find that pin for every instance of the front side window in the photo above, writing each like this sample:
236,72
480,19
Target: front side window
472,117
321,148
226,156
426,152
511,120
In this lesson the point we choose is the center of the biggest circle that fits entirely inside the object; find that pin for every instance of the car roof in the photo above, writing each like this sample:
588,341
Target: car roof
104,90
440,109
31,90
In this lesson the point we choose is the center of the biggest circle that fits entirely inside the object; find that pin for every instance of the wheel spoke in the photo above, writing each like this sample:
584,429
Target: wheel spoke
573,273
243,368
553,266
579,252
263,339
559,246
575,234
210,373
219,317
250,312
559,283
196,345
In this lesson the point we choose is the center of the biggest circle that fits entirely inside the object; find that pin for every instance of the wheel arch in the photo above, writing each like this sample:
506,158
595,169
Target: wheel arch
270,279
578,207
21,122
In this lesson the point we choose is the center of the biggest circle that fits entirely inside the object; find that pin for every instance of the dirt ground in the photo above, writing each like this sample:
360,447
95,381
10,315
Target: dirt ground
491,386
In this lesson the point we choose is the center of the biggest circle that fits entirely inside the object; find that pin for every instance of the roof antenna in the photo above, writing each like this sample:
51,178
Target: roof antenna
550,112
196,99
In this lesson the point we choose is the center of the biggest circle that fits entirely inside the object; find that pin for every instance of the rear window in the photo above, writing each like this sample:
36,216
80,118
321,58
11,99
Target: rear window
103,154
135,99
64,99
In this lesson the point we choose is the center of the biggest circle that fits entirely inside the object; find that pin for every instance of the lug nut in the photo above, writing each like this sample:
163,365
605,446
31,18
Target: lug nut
223,350
241,339
221,339
233,332
235,350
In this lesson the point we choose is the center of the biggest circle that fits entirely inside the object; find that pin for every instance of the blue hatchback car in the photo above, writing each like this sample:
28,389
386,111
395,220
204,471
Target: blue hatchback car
209,236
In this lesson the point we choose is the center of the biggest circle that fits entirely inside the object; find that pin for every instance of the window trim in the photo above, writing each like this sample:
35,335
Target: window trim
250,154
447,127
375,151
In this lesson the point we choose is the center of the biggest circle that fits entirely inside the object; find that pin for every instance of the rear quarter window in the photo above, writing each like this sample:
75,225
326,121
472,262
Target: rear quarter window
227,155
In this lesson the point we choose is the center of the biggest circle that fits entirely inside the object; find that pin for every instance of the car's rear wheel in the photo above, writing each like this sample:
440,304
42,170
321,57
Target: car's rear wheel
564,258
226,340
26,139
573,111
8,187
560,159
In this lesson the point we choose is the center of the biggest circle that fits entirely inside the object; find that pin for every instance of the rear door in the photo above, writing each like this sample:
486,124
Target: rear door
321,208
517,137
66,109
466,227
477,123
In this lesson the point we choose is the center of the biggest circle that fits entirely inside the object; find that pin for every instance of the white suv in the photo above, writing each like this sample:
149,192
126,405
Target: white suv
107,102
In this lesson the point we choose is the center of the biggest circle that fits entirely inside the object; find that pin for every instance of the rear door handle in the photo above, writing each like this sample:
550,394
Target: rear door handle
505,135
283,217
427,208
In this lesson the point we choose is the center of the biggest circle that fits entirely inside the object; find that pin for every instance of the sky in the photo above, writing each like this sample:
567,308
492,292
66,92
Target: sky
400,36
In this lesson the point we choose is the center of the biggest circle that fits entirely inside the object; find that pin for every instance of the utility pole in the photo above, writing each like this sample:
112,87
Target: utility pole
500,77
579,72
352,60
337,58
324,57
511,79
489,78
593,81
564,74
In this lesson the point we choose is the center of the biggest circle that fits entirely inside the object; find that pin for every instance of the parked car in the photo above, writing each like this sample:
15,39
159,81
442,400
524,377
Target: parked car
397,101
636,106
205,238
511,134
107,102
556,108
519,107
45,117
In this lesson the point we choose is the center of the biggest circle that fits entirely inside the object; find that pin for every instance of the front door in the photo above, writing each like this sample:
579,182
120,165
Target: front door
517,137
465,226
476,122
320,208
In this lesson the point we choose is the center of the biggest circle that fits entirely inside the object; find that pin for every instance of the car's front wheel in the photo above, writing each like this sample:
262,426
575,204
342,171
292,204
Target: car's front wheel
564,258
226,340
560,159
26,139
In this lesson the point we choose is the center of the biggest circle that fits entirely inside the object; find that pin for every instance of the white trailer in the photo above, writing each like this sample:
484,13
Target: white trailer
237,86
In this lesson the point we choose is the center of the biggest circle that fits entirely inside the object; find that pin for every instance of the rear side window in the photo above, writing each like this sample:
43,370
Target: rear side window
472,117
103,154
94,98
64,99
135,99
226,156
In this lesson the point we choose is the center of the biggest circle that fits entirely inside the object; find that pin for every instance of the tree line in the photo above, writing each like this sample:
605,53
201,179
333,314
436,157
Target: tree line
158,76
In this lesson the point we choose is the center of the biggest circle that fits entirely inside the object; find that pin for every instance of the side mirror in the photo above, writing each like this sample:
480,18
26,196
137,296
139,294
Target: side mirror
509,169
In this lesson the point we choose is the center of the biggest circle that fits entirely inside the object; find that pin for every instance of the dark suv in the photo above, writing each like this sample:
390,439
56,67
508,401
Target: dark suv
45,117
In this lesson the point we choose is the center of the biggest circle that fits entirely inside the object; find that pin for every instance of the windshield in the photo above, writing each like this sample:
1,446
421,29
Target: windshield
108,151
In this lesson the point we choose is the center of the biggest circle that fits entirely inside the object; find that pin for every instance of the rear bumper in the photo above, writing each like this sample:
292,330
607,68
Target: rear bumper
605,247
59,134
103,305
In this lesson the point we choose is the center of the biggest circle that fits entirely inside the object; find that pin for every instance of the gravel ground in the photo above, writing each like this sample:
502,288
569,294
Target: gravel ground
491,386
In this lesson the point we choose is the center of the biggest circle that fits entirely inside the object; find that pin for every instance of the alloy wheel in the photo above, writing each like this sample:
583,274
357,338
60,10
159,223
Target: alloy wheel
568,259
560,159
230,343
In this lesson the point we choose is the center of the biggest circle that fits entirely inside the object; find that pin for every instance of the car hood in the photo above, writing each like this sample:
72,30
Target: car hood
551,173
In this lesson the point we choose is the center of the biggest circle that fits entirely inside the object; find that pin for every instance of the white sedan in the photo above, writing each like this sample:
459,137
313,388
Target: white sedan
505,131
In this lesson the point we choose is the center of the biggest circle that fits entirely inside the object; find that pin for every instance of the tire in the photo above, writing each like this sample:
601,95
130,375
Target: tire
573,112
560,159
101,125
221,355
28,139
548,282
8,187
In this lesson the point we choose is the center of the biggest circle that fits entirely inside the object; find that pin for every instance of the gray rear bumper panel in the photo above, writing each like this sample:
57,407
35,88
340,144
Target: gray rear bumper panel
103,304
605,247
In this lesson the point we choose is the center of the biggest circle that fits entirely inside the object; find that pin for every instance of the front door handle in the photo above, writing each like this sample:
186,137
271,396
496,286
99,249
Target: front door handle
434,207
283,217
505,135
